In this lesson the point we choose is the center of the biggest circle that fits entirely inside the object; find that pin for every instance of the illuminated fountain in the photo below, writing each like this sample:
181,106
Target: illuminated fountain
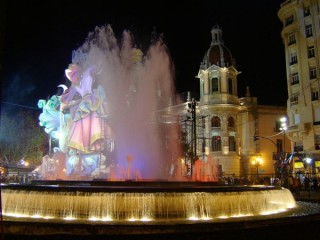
112,164
106,209
143,201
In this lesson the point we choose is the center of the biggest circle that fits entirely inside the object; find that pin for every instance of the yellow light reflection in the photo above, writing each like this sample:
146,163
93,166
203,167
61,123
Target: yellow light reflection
272,212
106,219
17,215
241,215
291,206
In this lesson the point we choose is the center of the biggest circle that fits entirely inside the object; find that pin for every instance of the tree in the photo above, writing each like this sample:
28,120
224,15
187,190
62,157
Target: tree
21,138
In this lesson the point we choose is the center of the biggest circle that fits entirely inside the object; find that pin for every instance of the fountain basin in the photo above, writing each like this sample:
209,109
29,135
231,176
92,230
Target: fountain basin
140,201
200,199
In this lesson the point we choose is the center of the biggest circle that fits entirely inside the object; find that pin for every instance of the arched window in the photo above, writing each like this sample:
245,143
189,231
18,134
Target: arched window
215,122
231,122
215,84
232,144
216,143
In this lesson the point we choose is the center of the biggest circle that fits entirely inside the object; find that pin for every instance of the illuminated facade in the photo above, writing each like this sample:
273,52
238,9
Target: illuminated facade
219,103
226,124
300,34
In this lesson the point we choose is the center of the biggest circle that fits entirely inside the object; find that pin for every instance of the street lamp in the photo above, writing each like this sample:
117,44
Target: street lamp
308,161
283,128
257,161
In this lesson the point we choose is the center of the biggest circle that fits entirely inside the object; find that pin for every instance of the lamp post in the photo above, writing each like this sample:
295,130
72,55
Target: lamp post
257,161
194,128
192,109
284,128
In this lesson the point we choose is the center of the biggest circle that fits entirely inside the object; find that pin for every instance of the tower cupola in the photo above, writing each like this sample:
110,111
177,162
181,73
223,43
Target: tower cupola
218,54
216,34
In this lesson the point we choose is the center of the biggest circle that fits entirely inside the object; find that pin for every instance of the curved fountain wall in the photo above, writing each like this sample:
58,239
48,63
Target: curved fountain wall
145,203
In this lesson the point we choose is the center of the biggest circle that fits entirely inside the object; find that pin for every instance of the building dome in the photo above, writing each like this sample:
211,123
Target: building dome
217,54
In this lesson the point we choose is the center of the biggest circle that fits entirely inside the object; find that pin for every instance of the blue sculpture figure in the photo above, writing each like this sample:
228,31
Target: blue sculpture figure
50,116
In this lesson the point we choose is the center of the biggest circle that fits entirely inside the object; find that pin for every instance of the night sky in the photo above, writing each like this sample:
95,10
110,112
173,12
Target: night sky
38,37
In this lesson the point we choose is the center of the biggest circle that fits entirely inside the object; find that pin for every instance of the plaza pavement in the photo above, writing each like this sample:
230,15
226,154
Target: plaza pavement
307,195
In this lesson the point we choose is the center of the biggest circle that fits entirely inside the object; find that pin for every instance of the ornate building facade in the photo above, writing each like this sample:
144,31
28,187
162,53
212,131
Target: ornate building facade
300,34
236,131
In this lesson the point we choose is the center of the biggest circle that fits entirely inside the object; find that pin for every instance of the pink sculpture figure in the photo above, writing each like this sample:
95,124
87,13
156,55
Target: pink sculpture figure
86,106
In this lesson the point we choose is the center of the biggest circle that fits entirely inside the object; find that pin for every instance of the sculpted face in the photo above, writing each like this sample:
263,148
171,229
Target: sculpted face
73,73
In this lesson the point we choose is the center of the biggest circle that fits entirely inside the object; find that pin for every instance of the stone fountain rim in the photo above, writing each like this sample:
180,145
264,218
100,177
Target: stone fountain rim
144,186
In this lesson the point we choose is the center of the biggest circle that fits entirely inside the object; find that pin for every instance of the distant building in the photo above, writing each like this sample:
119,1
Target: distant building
236,131
300,34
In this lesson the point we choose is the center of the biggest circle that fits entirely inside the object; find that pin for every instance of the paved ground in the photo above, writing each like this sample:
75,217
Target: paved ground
311,195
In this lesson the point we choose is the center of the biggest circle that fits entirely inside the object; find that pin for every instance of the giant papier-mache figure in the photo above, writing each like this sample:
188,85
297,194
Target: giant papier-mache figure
77,120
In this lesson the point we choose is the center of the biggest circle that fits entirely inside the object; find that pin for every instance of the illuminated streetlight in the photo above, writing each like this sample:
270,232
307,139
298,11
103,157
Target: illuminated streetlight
257,161
308,162
284,128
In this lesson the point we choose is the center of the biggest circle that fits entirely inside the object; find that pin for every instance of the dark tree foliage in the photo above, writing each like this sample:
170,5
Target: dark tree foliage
21,138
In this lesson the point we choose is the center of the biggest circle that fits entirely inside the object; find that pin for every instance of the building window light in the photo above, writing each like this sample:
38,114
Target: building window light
311,52
293,59
294,99
306,11
291,39
314,95
313,73
309,30
294,79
